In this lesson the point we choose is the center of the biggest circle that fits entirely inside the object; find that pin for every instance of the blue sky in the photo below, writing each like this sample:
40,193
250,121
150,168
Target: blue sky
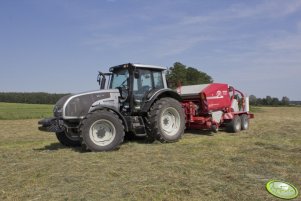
59,45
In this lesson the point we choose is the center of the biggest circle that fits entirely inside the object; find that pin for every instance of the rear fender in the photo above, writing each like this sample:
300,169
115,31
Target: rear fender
158,94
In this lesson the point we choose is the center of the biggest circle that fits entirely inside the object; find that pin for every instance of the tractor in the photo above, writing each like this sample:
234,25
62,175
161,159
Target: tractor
133,98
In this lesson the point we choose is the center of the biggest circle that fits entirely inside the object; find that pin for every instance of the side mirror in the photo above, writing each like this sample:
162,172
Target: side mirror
101,79
98,79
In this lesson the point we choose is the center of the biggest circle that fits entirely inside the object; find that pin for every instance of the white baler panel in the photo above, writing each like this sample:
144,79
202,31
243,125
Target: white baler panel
234,105
217,115
191,89
247,109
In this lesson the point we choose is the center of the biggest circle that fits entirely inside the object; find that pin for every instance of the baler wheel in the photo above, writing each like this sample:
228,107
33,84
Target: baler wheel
244,122
235,125
214,128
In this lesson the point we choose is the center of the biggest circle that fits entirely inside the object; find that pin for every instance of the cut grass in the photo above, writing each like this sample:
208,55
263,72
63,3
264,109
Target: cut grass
223,166
24,111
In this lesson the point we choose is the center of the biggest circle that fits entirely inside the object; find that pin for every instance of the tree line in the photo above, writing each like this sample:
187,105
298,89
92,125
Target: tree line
268,100
31,98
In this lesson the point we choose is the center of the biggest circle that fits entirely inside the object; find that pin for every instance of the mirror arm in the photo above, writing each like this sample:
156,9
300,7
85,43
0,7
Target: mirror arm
101,81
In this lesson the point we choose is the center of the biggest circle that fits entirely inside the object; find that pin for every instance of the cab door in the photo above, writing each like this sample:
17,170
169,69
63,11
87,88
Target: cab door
146,81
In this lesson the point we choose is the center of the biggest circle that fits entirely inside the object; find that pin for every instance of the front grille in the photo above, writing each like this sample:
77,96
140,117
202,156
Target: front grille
79,106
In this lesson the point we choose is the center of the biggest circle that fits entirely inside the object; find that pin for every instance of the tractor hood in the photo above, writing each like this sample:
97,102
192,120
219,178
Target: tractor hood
77,106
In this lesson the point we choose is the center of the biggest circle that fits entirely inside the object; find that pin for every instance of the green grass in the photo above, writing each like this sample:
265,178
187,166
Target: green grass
256,109
24,111
201,166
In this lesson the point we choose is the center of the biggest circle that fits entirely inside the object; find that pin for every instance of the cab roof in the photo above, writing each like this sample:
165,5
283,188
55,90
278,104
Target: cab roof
138,66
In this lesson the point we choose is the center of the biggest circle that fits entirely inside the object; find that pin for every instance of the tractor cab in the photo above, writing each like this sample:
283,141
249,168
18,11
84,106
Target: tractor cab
135,82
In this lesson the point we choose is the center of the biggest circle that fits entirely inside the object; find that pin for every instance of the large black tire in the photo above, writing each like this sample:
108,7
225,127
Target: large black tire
67,139
165,120
235,125
244,122
101,130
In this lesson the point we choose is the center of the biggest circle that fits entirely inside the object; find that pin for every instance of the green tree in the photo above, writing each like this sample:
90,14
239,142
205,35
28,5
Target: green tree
268,100
285,100
252,100
259,101
275,101
194,76
180,74
176,74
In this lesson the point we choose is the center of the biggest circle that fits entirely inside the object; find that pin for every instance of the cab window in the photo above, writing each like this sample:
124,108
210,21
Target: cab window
158,81
146,81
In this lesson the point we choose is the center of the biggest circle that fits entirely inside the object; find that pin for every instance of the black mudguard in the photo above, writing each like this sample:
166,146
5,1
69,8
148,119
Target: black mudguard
154,95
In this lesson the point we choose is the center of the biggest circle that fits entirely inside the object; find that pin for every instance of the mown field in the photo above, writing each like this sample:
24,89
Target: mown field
201,166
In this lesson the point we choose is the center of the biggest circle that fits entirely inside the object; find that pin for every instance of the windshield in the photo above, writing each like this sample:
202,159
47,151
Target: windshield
119,79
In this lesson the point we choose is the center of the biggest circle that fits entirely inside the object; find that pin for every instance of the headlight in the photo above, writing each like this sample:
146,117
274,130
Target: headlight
55,108
57,111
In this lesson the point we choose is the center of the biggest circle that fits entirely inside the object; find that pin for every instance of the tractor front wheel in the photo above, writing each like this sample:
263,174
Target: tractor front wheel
102,130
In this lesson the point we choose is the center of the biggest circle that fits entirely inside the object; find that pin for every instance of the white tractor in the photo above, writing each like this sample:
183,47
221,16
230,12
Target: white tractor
133,98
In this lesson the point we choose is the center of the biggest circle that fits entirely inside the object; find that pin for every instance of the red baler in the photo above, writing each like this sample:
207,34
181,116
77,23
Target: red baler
215,105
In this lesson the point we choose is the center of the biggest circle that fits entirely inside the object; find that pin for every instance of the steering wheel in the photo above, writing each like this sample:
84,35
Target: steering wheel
123,90
145,88
122,85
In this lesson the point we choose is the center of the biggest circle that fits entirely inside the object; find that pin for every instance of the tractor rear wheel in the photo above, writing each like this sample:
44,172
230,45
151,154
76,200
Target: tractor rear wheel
165,120
244,122
101,130
235,125
68,139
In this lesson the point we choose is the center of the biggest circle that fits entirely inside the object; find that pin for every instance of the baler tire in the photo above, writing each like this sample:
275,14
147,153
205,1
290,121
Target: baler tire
244,122
165,120
101,130
66,140
235,125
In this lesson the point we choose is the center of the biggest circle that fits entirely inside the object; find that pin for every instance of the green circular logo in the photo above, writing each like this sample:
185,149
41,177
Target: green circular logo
282,189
